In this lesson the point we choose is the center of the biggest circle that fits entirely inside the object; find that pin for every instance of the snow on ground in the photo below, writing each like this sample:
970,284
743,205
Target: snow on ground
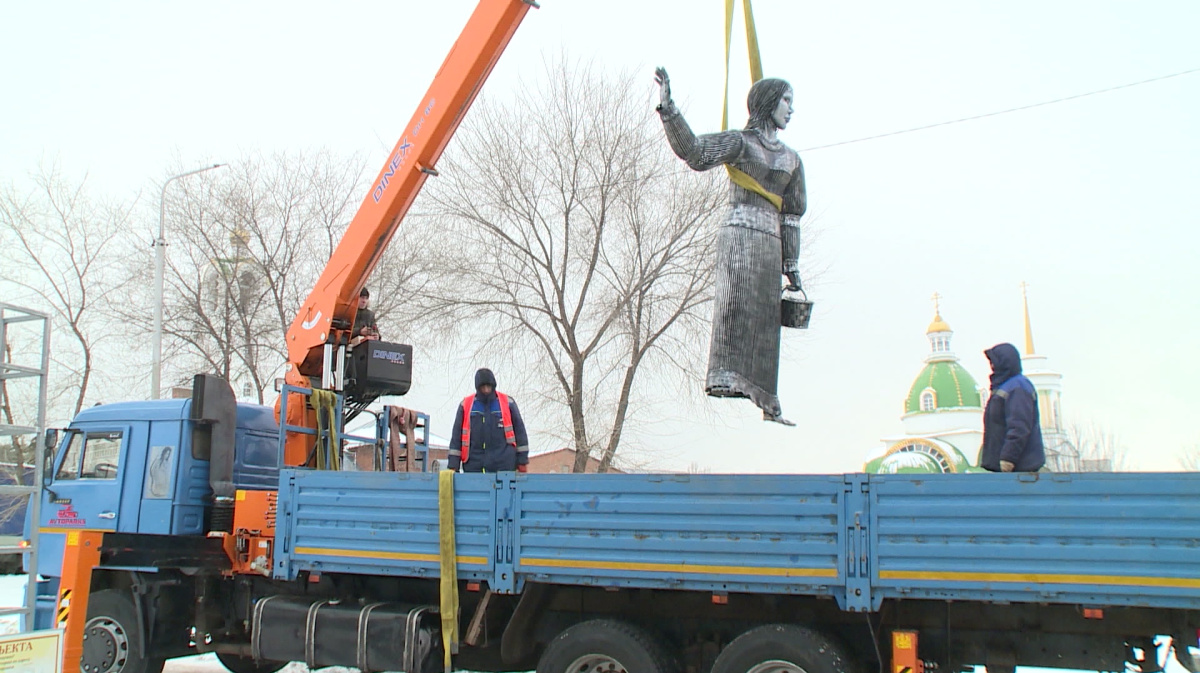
12,595
201,663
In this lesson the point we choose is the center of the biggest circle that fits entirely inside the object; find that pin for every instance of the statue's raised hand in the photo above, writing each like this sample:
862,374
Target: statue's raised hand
664,86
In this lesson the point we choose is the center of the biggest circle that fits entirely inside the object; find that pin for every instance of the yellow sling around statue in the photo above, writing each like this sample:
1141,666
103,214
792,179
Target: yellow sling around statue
738,177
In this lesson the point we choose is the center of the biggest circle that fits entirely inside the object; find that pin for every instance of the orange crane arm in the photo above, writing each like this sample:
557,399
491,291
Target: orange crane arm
454,88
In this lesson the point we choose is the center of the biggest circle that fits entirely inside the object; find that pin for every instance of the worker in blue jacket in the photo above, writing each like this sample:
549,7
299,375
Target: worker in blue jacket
489,434
1012,428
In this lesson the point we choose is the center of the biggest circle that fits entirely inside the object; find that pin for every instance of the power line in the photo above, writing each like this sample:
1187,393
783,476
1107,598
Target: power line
1000,112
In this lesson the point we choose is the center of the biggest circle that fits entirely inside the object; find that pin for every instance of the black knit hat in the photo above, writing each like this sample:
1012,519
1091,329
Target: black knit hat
364,292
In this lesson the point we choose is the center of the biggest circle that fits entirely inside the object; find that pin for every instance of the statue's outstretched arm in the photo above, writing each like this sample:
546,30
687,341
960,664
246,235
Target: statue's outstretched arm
703,152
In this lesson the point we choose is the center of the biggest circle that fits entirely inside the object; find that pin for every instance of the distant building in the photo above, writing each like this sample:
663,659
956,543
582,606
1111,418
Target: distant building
562,461
943,413
1061,455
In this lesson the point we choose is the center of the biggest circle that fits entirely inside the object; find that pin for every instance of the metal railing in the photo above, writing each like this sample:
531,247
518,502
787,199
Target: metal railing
379,441
39,350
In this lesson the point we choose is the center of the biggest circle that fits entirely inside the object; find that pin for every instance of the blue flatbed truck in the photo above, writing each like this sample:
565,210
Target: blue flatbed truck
645,573
174,527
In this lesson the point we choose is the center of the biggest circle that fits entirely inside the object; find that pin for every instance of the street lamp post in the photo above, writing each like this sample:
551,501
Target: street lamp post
160,252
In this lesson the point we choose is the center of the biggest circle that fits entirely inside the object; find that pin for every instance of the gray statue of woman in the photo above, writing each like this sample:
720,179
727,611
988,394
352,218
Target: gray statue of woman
758,244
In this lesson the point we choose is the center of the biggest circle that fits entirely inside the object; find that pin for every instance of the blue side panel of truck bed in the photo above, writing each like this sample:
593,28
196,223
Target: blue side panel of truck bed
774,534
1092,539
383,523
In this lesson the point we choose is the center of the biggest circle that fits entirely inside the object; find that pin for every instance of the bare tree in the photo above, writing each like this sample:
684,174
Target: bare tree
65,250
1100,450
1190,459
216,306
293,208
582,249
60,249
248,245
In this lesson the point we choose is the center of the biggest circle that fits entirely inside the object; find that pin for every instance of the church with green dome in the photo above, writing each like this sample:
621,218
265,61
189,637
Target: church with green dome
943,383
943,412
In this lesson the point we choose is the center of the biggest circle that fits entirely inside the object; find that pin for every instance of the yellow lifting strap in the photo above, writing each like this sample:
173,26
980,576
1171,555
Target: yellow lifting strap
449,568
329,453
739,177
756,71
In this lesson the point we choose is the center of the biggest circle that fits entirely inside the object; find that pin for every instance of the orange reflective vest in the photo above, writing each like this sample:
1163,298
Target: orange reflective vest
510,435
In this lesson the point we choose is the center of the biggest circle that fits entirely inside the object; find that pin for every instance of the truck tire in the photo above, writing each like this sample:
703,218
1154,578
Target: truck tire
782,648
606,646
239,664
111,640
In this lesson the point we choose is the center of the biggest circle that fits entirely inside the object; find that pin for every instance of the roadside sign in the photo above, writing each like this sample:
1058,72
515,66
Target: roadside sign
32,652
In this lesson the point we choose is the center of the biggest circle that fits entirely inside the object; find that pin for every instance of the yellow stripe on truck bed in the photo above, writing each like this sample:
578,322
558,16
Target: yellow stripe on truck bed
685,568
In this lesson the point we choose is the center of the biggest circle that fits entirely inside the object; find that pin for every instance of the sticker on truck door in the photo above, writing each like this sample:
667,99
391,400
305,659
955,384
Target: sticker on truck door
158,472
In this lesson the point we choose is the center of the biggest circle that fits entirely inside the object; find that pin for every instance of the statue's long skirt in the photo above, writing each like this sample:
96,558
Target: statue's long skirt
743,356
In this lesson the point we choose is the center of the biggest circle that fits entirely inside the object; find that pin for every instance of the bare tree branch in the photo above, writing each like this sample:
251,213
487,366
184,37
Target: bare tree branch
247,245
1190,459
1100,450
582,248
73,245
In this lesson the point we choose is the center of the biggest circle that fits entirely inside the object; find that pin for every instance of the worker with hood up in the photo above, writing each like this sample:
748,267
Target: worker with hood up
1012,428
489,434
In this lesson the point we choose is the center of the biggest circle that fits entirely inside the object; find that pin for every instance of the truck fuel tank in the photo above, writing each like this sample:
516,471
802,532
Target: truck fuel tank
371,637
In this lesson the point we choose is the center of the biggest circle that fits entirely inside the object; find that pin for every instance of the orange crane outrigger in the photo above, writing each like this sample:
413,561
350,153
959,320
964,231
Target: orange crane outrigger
318,337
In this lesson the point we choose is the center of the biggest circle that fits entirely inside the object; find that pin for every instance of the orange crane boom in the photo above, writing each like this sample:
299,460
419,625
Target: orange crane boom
328,312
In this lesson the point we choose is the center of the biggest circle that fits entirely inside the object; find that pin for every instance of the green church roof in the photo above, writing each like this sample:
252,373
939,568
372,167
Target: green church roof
952,387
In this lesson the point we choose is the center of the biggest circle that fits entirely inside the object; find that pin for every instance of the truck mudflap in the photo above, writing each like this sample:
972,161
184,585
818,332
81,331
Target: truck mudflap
372,637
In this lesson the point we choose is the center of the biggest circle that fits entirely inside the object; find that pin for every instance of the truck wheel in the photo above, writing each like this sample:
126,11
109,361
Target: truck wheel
782,648
605,646
238,664
111,640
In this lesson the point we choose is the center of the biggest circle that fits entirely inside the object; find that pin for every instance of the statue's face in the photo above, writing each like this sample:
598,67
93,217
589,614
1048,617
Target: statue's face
783,111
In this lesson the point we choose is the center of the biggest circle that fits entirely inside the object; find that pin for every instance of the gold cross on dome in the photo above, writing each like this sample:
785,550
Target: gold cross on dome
937,303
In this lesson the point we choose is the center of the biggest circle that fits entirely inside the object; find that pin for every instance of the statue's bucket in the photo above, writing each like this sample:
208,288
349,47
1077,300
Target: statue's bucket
795,309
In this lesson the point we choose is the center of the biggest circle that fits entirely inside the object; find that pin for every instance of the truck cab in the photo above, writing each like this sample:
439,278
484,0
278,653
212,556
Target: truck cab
139,467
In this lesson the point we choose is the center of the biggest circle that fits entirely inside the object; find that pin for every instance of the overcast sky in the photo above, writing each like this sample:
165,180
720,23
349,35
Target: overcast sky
1092,201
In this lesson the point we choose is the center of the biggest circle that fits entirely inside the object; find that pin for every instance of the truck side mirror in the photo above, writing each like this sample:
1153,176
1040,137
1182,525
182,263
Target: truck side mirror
49,444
